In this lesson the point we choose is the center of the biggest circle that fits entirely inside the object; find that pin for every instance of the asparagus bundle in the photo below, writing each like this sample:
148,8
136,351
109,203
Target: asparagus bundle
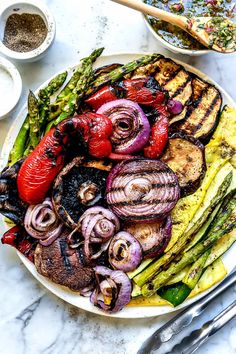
78,84
224,222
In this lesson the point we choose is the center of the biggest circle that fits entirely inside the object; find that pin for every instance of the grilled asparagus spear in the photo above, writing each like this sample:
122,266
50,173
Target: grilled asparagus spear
46,93
18,149
66,96
34,122
120,72
224,222
20,143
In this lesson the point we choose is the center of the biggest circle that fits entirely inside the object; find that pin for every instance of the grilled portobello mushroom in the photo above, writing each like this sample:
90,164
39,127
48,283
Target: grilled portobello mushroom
202,114
63,265
79,186
185,155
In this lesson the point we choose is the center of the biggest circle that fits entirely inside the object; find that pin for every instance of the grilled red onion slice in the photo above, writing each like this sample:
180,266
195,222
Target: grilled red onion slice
142,190
113,291
125,252
153,237
131,128
98,225
41,222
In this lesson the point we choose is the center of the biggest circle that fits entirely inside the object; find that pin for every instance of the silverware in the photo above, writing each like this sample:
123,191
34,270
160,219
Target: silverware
183,319
196,338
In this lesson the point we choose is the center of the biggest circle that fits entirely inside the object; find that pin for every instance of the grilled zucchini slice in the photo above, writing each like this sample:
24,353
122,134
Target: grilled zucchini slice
185,155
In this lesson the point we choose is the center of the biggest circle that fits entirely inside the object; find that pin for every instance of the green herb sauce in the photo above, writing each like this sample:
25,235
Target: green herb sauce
176,36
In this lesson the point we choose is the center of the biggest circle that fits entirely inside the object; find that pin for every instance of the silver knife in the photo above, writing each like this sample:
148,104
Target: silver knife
183,319
195,339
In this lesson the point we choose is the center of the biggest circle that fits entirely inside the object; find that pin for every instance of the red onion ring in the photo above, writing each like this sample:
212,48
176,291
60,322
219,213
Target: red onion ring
113,290
125,252
98,225
153,237
142,190
131,128
42,223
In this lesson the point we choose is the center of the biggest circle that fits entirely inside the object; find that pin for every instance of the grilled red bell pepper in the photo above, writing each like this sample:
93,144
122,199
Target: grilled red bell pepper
104,95
18,238
141,91
42,166
158,138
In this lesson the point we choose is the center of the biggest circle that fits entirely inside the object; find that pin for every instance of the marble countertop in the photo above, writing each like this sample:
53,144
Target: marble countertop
33,321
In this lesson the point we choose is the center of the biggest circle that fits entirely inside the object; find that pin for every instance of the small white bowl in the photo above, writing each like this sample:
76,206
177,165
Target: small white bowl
173,48
7,8
16,86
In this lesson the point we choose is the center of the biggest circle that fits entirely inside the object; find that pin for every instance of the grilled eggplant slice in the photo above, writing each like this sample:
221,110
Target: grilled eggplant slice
173,78
78,187
185,155
202,114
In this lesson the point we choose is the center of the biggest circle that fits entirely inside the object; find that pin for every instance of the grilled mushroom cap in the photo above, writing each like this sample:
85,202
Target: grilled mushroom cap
78,187
63,265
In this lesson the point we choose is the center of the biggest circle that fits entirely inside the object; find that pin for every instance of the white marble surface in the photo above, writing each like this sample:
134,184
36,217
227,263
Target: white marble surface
32,321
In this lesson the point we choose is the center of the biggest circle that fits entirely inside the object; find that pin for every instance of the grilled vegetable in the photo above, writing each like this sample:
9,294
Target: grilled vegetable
131,128
222,144
221,246
158,138
141,190
125,252
65,95
18,238
153,237
98,225
34,123
185,155
120,72
19,146
104,95
224,222
175,294
10,204
113,289
202,114
77,187
196,270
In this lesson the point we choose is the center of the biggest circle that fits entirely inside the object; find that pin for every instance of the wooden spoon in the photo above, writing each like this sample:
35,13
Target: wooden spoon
216,33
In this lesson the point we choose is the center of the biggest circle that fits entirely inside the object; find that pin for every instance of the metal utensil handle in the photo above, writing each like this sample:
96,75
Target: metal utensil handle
183,319
196,338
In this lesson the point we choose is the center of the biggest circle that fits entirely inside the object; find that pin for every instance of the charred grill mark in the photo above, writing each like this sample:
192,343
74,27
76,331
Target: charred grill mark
63,248
173,76
208,112
142,202
181,88
154,185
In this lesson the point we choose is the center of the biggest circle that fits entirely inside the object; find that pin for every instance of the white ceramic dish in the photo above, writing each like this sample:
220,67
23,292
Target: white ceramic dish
16,85
9,7
69,296
171,47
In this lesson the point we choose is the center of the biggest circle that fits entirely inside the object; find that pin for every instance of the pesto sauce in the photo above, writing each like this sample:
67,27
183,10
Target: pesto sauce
176,36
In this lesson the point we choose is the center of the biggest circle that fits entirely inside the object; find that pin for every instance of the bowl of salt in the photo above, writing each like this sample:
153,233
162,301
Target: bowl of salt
10,87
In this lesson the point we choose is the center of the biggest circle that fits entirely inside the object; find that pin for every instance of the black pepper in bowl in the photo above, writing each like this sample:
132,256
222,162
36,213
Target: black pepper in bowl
24,32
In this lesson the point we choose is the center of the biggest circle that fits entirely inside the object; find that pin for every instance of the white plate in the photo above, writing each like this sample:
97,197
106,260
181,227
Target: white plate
72,297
